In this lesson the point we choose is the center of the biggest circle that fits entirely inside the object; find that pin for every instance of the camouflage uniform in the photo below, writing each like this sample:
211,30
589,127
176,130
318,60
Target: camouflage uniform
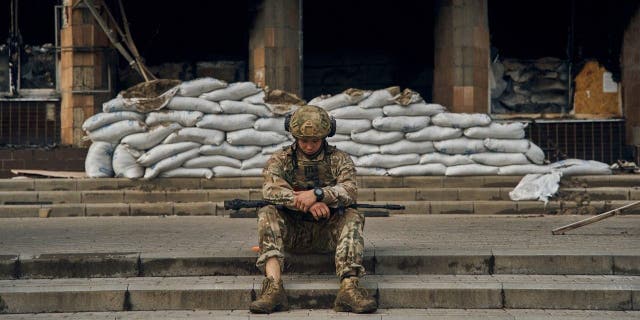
284,229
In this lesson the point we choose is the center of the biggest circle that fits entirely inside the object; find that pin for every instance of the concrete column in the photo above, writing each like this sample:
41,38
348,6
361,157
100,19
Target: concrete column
461,78
275,46
81,67
631,79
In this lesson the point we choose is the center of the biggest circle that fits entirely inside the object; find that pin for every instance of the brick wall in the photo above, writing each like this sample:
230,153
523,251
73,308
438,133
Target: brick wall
61,159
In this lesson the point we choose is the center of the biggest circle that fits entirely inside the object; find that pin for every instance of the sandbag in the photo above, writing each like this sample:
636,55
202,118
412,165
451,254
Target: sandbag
471,170
227,122
339,137
254,137
257,161
226,149
98,163
171,162
407,97
151,138
401,123
235,91
199,135
257,98
124,163
387,160
536,187
432,169
356,149
102,119
164,151
461,120
535,154
355,112
270,124
187,173
347,98
579,167
415,109
370,171
404,146
445,159
434,133
113,132
212,161
183,117
275,148
197,87
523,169
497,131
347,126
460,146
235,172
507,145
194,104
499,159
380,98
238,107
376,137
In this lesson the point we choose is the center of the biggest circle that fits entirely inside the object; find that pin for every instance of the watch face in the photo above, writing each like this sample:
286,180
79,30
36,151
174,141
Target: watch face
318,192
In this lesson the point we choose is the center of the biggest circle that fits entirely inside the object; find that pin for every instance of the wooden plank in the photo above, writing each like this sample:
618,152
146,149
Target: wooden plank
593,219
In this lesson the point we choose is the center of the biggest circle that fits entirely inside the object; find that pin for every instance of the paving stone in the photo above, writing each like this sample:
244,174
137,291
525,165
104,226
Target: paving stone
187,196
108,196
626,265
59,196
219,195
423,182
15,197
395,194
525,262
463,182
106,209
451,207
151,209
134,196
634,194
614,204
411,207
479,194
365,195
194,209
255,194
17,184
596,181
232,264
494,207
22,211
232,183
379,182
416,262
79,265
624,180
501,181
56,184
609,193
66,210
437,194
99,184
537,207
504,194
8,266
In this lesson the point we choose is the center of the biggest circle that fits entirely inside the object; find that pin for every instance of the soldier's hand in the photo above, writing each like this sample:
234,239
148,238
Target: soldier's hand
303,200
320,210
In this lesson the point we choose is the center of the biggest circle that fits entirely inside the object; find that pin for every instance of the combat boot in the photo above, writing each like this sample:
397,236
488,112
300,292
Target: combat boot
353,298
272,298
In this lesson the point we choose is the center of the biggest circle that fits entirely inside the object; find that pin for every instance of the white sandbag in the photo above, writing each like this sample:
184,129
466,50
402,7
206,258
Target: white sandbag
183,117
461,120
471,170
254,137
535,154
275,148
257,161
199,86
523,169
164,151
199,135
431,169
118,104
497,131
171,162
536,187
227,122
434,133
102,119
113,132
270,124
405,146
339,137
380,98
401,123
237,107
460,146
376,137
194,104
124,163
225,149
415,109
212,161
235,91
370,171
387,160
187,173
507,145
446,159
235,172
98,162
347,126
355,112
149,139
499,159
347,98
579,167
356,149
257,98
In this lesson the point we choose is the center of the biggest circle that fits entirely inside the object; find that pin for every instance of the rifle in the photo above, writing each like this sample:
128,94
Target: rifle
237,204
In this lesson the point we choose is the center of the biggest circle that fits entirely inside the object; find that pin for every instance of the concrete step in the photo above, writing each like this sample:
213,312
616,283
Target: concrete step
321,314
379,262
627,180
318,292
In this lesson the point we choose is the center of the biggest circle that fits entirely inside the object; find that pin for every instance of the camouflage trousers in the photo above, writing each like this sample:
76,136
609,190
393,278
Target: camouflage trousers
281,231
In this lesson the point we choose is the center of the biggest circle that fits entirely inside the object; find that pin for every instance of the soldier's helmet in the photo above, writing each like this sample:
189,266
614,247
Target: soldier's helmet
310,122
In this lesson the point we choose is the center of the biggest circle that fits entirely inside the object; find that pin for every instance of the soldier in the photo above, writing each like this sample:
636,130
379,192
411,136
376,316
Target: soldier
311,178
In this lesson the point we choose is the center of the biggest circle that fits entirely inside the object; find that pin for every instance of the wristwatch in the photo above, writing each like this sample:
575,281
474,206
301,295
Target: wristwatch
319,193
